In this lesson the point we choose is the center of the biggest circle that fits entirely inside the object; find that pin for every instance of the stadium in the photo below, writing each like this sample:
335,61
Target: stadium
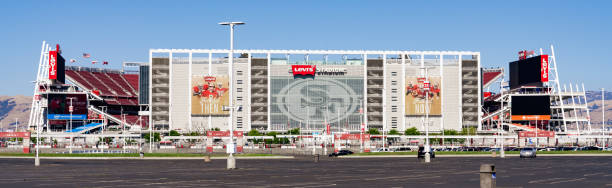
331,92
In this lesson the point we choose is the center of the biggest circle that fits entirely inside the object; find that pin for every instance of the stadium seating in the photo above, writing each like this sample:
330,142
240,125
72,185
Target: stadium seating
115,88
132,79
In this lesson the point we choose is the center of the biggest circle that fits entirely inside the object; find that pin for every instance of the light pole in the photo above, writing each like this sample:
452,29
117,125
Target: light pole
362,126
70,109
37,160
502,153
231,161
426,88
603,112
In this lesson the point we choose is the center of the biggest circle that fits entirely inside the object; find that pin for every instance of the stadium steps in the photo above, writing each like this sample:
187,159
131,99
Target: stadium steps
85,128
116,85
102,83
132,82
110,117
79,80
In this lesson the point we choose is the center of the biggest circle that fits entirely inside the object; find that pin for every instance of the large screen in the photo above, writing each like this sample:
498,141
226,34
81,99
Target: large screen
526,72
59,106
416,96
311,103
530,107
209,94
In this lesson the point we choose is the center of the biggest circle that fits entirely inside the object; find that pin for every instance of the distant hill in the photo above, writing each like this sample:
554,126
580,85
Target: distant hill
594,100
14,108
14,112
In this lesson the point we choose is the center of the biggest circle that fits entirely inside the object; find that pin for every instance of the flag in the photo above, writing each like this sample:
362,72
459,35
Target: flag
94,62
86,55
105,63
72,60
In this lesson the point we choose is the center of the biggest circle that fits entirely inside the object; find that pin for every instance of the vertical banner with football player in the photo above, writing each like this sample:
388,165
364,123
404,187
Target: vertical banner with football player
209,94
415,95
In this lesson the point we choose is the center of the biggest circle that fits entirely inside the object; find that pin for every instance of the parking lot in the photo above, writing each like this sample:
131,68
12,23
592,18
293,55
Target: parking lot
303,172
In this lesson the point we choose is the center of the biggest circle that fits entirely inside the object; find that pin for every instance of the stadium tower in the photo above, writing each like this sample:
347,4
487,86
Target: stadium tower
80,100
533,100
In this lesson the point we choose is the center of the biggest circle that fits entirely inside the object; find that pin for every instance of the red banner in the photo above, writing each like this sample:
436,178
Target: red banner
540,134
303,69
52,65
328,129
352,136
544,68
223,133
14,134
530,117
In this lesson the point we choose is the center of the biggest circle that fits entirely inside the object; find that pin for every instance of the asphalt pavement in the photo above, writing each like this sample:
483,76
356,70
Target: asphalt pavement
303,172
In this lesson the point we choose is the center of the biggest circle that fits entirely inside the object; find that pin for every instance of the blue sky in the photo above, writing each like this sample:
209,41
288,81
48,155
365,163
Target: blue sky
119,31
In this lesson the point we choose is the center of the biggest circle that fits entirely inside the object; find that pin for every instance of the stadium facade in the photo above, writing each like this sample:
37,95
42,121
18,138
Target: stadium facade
278,90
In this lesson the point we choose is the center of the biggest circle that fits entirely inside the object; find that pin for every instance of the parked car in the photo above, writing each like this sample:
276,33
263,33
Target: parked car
341,152
528,153
589,148
383,150
402,149
421,153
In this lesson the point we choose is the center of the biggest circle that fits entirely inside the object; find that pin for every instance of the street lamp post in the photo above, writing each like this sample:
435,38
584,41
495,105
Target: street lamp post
37,160
502,153
70,109
603,112
231,161
427,146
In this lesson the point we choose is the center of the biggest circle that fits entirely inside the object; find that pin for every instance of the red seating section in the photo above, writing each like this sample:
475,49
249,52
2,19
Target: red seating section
489,76
133,119
115,85
132,79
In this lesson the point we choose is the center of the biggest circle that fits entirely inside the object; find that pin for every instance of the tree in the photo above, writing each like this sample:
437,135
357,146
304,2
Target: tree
412,131
174,133
156,137
373,131
468,131
452,132
254,132
295,131
394,132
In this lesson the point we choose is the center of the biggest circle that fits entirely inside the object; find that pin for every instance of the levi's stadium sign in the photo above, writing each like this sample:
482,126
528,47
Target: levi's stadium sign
544,68
312,70
52,65
303,69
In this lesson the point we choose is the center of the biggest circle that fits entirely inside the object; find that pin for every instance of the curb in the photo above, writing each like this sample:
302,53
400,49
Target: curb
479,155
145,158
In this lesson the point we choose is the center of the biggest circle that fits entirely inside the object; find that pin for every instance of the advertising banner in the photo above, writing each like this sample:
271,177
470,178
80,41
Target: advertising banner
209,94
530,117
533,134
14,134
223,133
416,90
544,68
351,136
303,69
59,106
52,65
